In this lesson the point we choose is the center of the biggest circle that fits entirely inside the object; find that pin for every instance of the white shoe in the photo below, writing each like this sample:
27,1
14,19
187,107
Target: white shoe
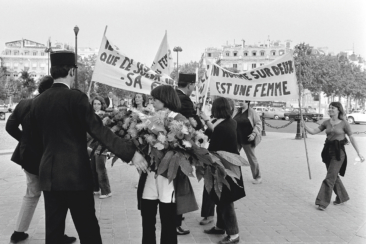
257,181
105,196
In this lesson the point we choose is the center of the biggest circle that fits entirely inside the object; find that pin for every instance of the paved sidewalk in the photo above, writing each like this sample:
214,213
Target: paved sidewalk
280,210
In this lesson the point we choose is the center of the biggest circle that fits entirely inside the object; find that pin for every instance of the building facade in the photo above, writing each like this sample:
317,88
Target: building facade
242,57
27,55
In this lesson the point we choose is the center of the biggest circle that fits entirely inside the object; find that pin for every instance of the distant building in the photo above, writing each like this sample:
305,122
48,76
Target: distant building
244,57
27,55
84,52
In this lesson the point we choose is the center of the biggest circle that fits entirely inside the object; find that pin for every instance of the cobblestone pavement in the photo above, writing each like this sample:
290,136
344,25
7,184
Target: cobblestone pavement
280,210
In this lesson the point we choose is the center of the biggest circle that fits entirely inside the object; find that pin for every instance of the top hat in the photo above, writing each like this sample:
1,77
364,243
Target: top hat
187,78
63,58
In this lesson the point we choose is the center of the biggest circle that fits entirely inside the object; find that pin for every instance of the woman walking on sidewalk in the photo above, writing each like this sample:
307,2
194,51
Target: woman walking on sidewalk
334,155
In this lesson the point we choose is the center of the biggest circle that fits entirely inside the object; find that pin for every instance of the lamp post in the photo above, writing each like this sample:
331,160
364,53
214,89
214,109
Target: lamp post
177,49
48,50
76,31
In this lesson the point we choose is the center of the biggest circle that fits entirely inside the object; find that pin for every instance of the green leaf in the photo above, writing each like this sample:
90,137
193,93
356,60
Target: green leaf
203,155
185,166
208,179
216,159
200,172
156,154
173,167
164,163
233,158
114,160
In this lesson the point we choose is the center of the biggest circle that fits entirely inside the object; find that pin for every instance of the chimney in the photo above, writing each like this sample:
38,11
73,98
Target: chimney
243,42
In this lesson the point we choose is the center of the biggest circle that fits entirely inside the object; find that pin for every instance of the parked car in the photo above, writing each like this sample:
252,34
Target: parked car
357,117
308,115
274,113
4,109
260,110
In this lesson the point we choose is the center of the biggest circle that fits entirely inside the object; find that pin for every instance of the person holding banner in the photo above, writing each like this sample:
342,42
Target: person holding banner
153,191
222,135
249,136
334,155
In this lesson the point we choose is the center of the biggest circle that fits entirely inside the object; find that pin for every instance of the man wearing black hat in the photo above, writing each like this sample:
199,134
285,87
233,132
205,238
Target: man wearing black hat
186,85
60,118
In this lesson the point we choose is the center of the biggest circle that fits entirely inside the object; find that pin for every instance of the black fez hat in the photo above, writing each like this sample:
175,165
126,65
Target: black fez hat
63,58
187,78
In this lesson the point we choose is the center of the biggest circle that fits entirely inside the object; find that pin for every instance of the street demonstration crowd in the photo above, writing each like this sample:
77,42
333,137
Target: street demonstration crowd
53,151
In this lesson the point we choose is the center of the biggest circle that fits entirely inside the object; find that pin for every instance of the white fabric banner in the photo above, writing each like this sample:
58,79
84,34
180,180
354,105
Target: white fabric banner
115,69
274,81
163,60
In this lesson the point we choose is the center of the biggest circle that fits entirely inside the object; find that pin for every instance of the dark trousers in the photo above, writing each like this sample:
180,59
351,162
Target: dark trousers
208,205
100,176
179,220
81,205
149,209
226,218
332,182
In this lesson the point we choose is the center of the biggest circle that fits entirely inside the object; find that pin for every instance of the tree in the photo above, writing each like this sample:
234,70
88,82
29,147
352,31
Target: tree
28,85
188,68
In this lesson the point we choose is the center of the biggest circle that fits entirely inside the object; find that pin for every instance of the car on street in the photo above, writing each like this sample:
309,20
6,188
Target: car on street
274,113
307,115
357,117
260,110
3,110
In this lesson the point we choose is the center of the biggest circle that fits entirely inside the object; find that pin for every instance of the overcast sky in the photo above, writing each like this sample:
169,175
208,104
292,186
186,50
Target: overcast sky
137,27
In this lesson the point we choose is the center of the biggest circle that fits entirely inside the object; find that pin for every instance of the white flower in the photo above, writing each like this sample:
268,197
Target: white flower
159,146
161,138
187,144
184,130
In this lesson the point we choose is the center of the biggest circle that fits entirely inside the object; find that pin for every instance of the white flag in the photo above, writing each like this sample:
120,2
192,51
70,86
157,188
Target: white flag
118,70
163,60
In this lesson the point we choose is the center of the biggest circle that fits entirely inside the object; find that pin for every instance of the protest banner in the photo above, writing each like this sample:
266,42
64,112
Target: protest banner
162,63
118,70
273,81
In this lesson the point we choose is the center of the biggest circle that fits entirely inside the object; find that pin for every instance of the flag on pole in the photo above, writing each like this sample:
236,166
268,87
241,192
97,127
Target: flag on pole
163,60
121,71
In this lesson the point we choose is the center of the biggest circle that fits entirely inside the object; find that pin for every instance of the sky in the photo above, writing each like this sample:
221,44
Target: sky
137,27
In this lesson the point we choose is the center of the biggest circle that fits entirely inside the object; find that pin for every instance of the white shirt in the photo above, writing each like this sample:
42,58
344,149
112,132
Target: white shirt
62,83
110,103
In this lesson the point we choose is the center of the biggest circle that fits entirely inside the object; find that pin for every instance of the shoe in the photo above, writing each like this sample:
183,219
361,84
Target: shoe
321,208
228,240
206,221
214,231
337,202
105,196
257,181
18,236
96,193
69,239
181,231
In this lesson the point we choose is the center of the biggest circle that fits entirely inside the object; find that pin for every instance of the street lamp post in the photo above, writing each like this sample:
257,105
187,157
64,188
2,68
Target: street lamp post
48,51
76,31
177,49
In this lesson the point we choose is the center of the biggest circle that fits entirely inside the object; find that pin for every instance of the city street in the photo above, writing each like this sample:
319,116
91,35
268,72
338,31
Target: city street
280,210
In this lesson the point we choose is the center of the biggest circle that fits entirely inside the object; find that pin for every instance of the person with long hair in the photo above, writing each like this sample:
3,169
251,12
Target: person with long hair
222,135
334,155
173,198
249,136
100,175
139,101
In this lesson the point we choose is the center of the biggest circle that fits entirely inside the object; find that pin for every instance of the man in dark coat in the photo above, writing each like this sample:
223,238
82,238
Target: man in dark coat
109,100
60,118
186,85
25,157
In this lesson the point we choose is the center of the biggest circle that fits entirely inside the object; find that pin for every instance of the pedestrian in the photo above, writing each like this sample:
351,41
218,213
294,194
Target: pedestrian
25,157
222,137
186,85
139,101
334,155
98,160
60,118
109,101
174,198
249,128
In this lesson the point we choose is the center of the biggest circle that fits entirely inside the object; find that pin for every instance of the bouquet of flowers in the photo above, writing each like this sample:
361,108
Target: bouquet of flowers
169,143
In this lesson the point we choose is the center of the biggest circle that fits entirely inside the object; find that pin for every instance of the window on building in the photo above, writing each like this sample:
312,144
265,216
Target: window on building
16,52
245,53
42,53
273,53
208,66
235,66
262,53
261,64
254,66
26,53
235,54
254,53
227,54
281,52
209,54
34,53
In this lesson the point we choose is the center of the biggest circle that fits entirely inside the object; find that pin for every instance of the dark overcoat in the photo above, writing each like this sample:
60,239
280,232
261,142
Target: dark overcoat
187,109
223,138
61,118
24,154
